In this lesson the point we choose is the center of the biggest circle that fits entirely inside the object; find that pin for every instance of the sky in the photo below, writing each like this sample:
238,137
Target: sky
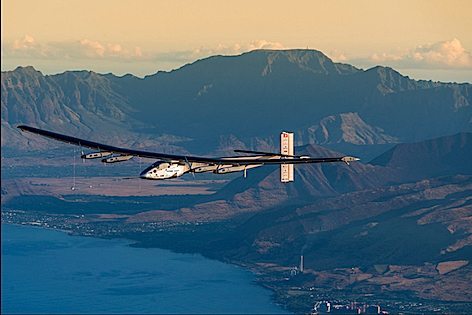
428,39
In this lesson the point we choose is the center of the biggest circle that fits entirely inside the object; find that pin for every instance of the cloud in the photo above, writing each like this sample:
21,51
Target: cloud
92,48
26,42
450,53
263,44
337,56
441,55
237,48
28,47
95,49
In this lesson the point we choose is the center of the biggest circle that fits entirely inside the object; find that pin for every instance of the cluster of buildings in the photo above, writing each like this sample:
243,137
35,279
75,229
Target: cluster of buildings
326,307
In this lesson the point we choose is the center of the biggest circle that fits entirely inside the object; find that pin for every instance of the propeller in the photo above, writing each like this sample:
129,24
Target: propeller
190,167
82,154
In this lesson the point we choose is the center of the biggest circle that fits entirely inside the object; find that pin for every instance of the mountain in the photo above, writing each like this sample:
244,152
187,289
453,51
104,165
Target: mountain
71,101
83,103
344,128
442,156
248,98
261,92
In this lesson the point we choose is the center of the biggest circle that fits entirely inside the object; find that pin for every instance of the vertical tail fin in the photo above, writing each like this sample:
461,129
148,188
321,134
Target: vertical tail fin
286,147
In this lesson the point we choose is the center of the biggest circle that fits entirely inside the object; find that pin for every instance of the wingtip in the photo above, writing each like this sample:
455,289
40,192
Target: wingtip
25,128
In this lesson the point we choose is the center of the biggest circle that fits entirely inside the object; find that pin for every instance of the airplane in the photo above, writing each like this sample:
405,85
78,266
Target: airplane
170,166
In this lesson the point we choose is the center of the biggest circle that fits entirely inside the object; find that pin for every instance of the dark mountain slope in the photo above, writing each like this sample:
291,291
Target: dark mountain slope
60,101
344,128
447,155
83,104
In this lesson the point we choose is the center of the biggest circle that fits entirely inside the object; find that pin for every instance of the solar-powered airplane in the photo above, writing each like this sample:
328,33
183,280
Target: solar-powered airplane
172,166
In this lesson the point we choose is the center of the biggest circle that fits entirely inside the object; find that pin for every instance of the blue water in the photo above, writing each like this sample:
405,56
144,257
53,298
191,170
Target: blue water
45,271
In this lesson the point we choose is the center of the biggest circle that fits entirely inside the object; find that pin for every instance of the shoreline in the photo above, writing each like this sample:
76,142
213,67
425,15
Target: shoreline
132,243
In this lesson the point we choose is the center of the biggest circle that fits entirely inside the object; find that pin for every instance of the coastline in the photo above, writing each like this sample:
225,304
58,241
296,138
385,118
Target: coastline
132,244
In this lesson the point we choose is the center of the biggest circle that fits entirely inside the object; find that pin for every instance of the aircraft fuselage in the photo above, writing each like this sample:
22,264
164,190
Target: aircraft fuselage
166,170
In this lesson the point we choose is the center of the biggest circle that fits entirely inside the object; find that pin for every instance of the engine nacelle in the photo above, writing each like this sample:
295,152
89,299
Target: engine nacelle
164,170
231,169
117,158
96,155
206,168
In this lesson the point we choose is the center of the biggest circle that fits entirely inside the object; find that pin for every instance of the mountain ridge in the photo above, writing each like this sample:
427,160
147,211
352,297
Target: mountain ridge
253,96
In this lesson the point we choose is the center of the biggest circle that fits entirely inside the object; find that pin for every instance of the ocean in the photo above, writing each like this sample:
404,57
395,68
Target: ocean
47,271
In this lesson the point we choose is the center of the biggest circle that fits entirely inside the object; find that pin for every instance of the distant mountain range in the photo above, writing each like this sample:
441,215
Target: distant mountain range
248,99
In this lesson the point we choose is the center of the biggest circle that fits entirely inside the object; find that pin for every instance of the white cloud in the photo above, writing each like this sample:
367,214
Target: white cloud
440,55
236,48
28,47
95,49
450,53
337,56
27,42
263,44
92,48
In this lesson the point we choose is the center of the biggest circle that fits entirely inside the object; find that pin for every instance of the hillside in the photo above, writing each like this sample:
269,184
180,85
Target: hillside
442,156
82,103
